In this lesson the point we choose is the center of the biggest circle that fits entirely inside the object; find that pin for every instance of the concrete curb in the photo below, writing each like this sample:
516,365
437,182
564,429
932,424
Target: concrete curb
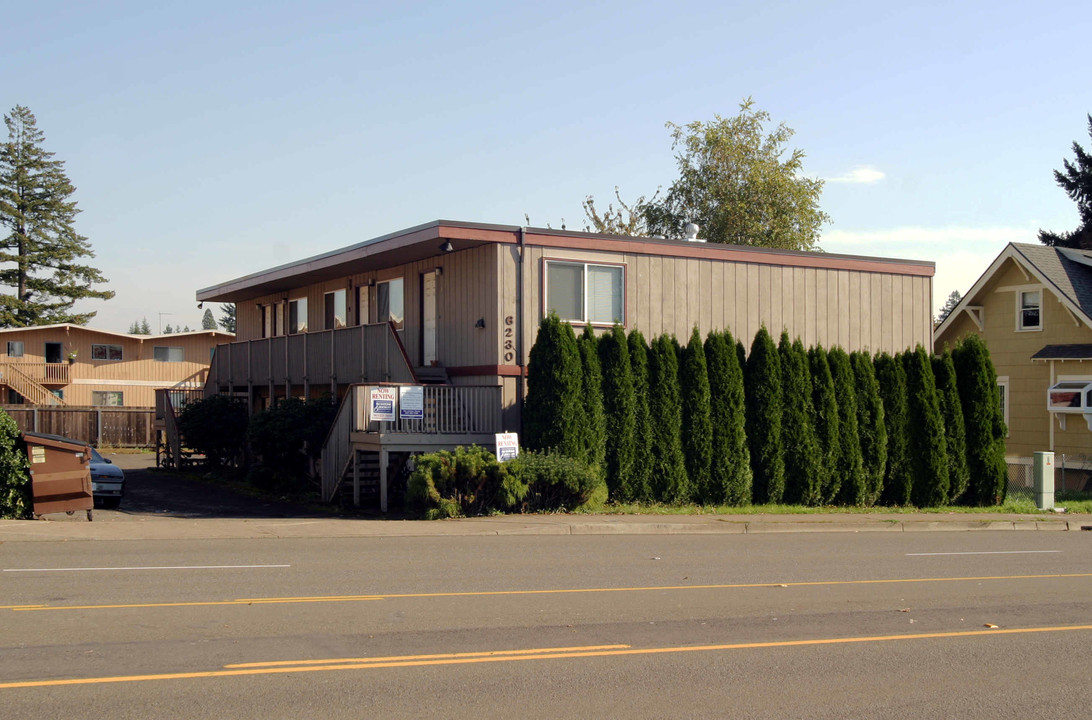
152,528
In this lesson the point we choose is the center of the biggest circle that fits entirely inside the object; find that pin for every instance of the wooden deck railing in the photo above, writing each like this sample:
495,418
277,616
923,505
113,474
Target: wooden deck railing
45,373
362,353
20,377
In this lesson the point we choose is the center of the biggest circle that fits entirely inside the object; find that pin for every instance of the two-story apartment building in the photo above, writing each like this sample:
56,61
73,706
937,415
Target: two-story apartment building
75,365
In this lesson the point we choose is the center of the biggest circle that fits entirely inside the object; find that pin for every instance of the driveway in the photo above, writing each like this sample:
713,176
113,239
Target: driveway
150,491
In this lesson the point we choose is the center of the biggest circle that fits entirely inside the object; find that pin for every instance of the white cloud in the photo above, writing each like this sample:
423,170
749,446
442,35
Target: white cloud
860,175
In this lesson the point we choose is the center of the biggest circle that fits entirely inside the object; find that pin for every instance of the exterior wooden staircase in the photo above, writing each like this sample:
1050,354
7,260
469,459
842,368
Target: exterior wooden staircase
21,381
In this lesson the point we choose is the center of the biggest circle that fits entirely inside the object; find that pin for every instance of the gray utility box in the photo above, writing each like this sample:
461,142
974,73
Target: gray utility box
1043,465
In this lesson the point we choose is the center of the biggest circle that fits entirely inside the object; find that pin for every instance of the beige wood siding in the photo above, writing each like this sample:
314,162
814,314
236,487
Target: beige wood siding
136,375
851,309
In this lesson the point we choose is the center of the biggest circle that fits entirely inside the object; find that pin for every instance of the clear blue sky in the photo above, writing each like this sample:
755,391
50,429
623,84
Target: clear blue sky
208,140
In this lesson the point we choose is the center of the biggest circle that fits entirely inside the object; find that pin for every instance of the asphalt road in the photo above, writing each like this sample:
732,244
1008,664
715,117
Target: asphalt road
836,625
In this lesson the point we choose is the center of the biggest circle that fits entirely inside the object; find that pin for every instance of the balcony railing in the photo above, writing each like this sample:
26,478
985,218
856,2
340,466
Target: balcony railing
362,353
44,373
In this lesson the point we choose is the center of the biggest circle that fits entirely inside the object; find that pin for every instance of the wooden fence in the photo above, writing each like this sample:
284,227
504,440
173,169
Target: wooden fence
99,426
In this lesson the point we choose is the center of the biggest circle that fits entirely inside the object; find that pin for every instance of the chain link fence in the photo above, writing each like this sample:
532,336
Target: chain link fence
1072,473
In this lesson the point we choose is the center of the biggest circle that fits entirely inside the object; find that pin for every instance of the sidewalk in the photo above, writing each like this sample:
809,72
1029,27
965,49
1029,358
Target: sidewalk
118,526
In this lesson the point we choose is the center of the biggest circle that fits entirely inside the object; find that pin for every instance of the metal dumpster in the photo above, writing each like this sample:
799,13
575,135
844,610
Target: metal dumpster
60,474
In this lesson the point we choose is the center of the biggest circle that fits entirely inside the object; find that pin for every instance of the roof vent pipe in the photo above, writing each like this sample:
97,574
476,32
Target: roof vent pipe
690,233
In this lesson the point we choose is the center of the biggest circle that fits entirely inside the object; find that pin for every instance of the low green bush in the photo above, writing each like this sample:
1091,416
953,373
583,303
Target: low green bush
468,481
557,482
287,442
15,496
215,427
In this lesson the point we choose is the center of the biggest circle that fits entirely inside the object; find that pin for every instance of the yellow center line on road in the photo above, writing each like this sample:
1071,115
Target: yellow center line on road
405,658
515,656
554,591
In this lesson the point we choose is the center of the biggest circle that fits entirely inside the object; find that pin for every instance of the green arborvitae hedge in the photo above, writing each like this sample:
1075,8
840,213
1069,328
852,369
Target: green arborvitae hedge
594,430
952,411
216,427
850,467
697,428
871,427
554,415
639,483
828,426
15,493
669,480
927,445
619,409
764,410
731,469
897,479
804,473
982,420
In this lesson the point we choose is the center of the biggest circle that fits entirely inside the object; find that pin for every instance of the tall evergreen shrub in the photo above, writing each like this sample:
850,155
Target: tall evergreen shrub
828,426
852,489
765,407
804,473
697,428
16,500
594,430
982,420
927,444
871,427
670,483
955,433
553,415
897,478
730,473
638,487
619,410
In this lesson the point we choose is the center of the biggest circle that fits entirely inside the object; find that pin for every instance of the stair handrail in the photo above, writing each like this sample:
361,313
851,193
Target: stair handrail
337,448
174,435
28,387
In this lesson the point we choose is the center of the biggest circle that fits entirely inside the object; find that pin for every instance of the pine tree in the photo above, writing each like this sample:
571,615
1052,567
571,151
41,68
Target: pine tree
897,478
982,420
594,428
41,250
955,433
1077,183
208,322
927,444
554,407
828,430
168,330
804,473
764,411
619,409
134,328
730,474
640,482
145,328
669,480
850,467
697,429
227,317
871,427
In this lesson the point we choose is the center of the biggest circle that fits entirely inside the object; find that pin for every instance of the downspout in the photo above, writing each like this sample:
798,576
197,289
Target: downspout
519,332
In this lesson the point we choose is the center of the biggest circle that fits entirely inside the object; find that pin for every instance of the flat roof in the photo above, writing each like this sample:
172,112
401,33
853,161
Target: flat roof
424,241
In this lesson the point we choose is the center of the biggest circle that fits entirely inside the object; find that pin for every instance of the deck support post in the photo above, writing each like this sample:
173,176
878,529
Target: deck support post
356,478
383,480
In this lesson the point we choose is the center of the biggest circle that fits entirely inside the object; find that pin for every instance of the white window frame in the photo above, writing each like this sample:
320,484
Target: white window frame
333,296
1004,389
547,262
18,347
1020,293
301,318
102,395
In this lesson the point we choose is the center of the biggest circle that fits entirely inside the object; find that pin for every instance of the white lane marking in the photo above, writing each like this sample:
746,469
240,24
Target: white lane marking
165,567
993,552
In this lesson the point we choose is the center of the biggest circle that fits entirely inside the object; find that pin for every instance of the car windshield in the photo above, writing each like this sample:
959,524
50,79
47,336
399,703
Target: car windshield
95,457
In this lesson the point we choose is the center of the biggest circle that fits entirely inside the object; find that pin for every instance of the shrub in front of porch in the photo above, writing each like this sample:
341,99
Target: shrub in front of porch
468,481
287,440
558,483
215,427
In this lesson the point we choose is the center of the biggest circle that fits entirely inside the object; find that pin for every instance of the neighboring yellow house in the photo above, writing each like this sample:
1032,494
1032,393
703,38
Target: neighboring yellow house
1033,308
79,366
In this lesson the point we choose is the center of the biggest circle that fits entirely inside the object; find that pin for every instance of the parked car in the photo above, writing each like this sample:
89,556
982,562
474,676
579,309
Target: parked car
107,481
